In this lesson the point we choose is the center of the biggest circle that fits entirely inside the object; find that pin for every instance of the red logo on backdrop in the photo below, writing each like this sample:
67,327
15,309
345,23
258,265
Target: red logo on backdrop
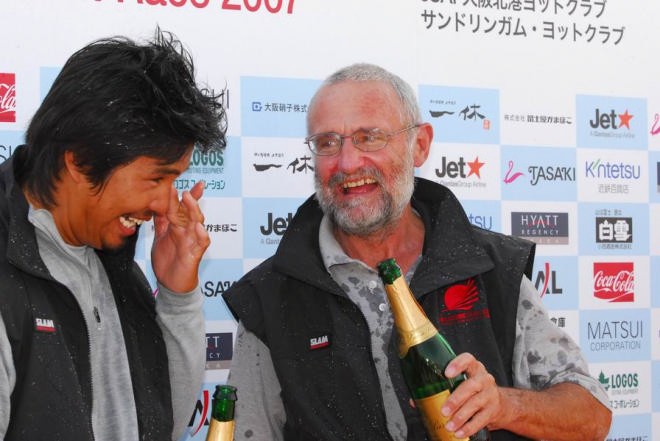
614,281
7,97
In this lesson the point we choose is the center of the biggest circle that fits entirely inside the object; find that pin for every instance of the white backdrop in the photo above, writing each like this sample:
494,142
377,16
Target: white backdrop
546,122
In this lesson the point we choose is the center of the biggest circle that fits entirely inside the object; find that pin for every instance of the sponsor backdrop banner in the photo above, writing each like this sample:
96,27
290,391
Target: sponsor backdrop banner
547,126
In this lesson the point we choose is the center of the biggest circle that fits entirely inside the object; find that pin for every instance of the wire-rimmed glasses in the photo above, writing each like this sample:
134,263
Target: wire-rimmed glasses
367,140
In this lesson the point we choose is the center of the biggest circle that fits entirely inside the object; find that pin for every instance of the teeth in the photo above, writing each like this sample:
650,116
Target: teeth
359,183
130,222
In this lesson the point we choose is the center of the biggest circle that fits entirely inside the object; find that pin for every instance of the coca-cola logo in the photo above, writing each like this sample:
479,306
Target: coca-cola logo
7,97
614,281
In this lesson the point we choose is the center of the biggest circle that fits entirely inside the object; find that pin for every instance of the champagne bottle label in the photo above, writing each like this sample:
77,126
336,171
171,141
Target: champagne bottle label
434,420
220,430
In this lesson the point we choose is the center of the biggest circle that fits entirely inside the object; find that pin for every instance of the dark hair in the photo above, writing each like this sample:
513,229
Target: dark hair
114,101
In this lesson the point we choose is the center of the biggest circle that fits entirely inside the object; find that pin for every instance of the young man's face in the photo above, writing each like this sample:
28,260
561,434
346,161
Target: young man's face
106,218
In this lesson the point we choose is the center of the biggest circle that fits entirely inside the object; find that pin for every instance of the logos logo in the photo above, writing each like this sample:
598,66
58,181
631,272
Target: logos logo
614,281
542,228
614,231
611,120
620,384
256,106
219,349
7,97
546,281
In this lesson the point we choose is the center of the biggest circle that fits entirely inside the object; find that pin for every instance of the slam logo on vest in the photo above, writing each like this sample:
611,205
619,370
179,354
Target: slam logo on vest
461,304
319,342
44,325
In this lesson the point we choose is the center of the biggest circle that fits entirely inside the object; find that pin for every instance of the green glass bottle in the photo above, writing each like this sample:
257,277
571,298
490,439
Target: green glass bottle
222,414
424,355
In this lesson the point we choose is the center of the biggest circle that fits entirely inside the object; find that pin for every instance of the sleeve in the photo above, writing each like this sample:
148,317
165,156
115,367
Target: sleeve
181,319
7,379
260,414
544,354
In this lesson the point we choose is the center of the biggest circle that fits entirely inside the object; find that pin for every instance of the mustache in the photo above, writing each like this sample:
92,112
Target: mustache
365,172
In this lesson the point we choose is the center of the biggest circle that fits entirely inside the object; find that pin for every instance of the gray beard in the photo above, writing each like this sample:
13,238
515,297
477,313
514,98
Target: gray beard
356,219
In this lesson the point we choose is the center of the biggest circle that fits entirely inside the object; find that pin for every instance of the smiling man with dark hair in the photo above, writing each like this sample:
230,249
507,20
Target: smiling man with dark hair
87,352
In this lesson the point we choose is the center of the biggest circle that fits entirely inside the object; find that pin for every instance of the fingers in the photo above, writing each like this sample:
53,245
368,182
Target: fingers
186,211
475,401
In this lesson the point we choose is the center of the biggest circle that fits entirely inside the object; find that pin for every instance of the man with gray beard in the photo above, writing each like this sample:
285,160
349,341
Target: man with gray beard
315,357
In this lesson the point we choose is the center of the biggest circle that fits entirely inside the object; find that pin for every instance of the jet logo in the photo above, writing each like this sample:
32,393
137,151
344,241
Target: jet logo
611,120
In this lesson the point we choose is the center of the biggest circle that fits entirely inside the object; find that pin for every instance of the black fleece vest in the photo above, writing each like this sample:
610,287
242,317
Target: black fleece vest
52,396
319,340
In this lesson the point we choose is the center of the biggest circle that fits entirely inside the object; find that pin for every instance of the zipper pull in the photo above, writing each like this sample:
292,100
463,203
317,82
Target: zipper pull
97,316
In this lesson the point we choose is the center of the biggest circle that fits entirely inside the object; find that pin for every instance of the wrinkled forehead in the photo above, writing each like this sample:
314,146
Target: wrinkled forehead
352,105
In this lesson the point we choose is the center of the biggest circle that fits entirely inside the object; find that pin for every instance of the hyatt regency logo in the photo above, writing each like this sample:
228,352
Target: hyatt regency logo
542,228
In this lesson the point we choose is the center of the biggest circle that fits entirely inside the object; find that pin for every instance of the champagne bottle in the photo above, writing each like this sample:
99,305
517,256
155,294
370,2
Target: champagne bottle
222,414
424,354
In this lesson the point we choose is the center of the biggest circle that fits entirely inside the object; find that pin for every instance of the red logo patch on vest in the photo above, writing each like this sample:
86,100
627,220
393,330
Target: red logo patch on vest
319,342
460,301
44,325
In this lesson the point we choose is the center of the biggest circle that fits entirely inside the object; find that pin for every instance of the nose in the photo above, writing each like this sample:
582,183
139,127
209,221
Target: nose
349,158
161,198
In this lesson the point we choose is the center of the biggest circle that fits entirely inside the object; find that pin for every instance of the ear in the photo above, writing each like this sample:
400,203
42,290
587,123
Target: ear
422,144
71,169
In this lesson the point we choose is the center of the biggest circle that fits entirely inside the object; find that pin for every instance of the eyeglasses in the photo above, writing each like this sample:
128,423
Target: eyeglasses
366,140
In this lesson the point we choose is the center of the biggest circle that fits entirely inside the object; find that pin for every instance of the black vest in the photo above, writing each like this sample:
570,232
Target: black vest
52,396
332,392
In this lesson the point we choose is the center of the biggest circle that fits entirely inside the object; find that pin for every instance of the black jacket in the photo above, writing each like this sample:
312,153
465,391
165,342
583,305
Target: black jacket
52,396
334,393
